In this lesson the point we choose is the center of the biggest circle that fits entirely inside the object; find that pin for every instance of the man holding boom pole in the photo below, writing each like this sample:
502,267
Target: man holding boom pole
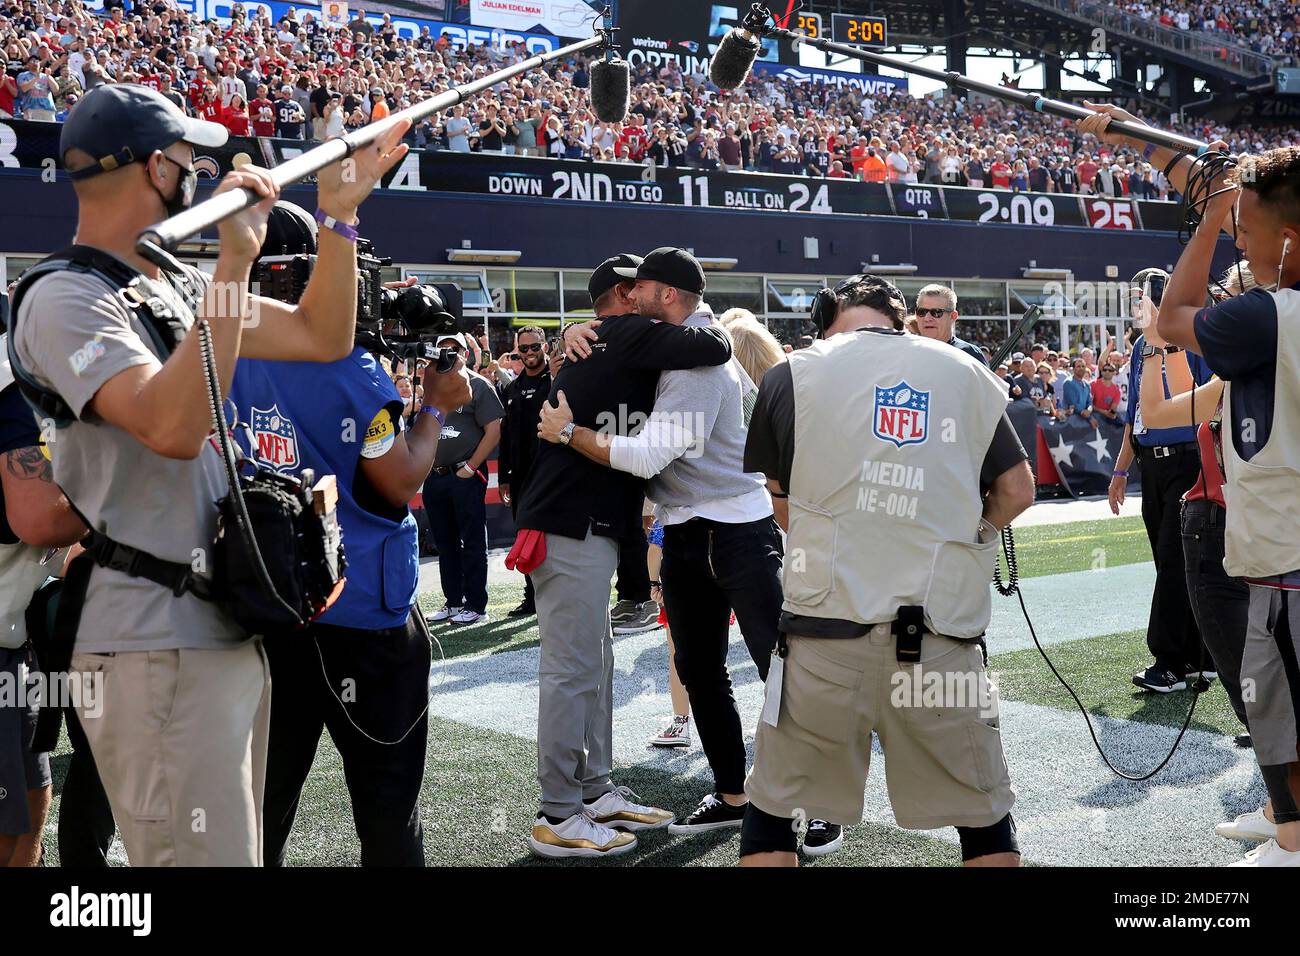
178,722
1252,342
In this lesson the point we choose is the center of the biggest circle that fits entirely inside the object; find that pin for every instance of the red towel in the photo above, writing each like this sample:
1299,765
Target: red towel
528,553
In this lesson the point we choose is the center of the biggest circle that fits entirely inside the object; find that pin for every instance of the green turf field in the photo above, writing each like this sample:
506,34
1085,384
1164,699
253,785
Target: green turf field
480,788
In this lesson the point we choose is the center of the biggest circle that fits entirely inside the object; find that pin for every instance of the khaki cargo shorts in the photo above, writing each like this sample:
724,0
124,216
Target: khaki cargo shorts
936,720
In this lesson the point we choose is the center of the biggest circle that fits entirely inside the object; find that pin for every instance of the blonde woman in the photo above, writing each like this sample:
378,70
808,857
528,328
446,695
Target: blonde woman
755,348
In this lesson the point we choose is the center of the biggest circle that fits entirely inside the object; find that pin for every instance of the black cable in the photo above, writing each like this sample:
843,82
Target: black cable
1013,587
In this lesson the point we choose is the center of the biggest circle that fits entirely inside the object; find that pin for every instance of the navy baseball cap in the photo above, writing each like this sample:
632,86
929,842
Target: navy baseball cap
121,123
611,272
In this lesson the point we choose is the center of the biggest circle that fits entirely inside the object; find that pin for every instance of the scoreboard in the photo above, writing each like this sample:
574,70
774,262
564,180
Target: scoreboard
858,30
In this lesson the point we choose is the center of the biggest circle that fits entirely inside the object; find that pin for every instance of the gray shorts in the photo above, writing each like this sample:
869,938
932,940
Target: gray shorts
20,769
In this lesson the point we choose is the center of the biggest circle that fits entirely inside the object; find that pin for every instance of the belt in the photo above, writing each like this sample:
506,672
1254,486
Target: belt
1167,451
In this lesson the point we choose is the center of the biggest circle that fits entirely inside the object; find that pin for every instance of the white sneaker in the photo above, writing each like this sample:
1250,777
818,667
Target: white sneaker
1248,826
676,734
466,616
579,835
1270,854
442,614
614,809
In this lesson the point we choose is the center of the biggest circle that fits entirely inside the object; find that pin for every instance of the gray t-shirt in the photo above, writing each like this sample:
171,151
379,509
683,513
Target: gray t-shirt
458,134
74,334
464,428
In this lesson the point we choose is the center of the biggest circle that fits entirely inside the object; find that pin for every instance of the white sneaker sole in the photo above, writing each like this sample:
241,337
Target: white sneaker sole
669,744
683,829
825,849
1230,831
550,852
634,628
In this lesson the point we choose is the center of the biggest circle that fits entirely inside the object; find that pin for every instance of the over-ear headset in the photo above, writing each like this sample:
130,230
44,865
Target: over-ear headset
826,303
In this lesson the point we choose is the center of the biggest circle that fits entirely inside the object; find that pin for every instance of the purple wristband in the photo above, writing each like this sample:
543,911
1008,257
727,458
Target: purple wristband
442,419
348,232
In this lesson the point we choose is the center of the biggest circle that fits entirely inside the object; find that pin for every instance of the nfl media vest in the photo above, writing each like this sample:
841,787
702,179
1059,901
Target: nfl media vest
311,415
1262,537
890,434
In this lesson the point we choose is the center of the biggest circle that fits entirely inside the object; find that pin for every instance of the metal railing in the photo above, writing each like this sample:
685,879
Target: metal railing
1224,53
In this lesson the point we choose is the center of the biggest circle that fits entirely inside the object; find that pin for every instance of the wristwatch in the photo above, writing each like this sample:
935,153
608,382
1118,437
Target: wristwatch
566,433
1149,350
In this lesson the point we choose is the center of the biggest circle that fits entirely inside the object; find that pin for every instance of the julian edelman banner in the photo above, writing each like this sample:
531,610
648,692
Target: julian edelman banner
34,147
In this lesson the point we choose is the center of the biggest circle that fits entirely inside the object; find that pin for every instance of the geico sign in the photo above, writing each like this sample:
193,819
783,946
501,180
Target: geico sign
480,36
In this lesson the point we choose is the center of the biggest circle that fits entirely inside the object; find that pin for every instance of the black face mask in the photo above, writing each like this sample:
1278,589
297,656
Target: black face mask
183,198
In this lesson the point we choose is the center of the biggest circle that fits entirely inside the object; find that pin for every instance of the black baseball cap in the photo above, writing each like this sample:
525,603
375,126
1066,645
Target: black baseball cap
121,123
671,266
611,272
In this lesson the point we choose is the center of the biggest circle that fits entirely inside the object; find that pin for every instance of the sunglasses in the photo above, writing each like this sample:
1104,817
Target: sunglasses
934,313
533,347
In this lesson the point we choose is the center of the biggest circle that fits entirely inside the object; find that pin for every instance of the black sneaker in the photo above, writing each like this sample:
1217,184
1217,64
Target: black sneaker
822,838
525,609
713,813
1159,679
1243,741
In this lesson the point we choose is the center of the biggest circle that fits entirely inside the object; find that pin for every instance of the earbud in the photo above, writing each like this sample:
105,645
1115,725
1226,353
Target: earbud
1286,246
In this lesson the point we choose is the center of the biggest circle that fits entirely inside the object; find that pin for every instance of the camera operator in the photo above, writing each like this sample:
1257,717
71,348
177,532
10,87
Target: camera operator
936,470
181,740
523,399
1251,342
361,669
34,517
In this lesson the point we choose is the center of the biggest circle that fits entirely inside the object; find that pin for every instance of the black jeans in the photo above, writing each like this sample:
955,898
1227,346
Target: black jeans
1172,635
1221,603
633,580
85,817
708,569
383,676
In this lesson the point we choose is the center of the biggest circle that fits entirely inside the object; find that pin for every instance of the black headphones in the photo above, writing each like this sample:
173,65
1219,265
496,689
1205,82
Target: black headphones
826,303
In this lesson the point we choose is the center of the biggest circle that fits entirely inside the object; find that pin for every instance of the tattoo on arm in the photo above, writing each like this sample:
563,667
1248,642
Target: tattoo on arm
28,463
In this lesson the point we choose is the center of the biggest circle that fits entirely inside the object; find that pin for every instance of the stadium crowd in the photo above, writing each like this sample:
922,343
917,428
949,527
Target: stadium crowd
1270,27
304,79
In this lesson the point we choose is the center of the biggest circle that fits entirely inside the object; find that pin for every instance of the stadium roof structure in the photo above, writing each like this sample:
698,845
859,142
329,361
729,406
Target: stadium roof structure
1054,31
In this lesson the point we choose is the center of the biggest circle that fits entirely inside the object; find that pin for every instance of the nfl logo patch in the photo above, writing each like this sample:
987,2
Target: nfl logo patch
275,442
902,415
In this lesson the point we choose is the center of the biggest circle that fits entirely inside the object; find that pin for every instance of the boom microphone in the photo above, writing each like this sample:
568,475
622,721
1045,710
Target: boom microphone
734,59
611,90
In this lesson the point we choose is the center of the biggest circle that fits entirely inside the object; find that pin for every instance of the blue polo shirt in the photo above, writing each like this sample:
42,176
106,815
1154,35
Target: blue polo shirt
1154,437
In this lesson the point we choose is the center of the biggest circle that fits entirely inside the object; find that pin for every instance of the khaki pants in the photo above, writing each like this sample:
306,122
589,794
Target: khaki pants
936,720
179,738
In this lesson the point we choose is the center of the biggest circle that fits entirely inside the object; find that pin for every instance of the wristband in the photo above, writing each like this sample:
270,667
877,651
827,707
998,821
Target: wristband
442,419
1117,473
348,232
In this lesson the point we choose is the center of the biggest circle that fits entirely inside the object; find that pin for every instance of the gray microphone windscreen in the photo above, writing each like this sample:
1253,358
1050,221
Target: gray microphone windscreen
611,90
733,61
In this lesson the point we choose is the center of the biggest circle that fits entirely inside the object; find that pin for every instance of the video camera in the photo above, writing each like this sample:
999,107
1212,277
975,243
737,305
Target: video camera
401,323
